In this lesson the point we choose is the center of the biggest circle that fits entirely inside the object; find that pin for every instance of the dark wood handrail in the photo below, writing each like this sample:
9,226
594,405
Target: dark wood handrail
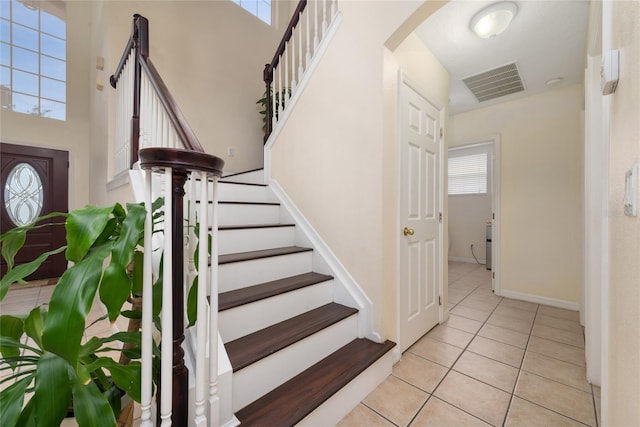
179,122
268,68
287,34
138,43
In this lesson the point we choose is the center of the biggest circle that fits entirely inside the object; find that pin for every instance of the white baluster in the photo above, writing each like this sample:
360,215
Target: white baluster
316,40
166,363
334,8
279,89
324,18
293,60
214,406
203,284
299,29
287,84
308,56
147,310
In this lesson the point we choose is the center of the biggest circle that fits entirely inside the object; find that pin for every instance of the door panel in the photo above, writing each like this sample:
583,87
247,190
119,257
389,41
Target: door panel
419,214
34,182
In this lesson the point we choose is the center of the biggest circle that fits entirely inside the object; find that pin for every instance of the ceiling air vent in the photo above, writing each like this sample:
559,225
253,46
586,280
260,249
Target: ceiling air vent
495,83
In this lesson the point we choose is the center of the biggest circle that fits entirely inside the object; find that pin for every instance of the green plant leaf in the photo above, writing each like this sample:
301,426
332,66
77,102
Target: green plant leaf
23,270
127,377
13,240
70,304
84,226
33,324
27,416
116,285
11,400
52,391
11,329
192,303
137,275
90,406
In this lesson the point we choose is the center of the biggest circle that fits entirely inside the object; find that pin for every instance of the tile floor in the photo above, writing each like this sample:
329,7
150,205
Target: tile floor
496,361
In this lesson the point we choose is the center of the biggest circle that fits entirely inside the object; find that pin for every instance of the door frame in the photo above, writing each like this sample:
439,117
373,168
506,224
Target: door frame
443,314
496,174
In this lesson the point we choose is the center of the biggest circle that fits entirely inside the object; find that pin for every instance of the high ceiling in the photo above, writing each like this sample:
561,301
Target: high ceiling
546,39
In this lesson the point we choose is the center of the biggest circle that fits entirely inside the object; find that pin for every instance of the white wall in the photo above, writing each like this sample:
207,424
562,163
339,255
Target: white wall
468,214
541,190
621,30
210,55
71,135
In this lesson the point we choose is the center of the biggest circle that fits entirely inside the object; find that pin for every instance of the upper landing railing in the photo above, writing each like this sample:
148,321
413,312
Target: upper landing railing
300,44
151,128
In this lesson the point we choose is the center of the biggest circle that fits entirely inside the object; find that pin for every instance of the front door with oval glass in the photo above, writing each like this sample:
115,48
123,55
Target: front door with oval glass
34,182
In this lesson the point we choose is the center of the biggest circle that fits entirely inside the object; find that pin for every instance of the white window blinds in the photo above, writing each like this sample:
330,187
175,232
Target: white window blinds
468,173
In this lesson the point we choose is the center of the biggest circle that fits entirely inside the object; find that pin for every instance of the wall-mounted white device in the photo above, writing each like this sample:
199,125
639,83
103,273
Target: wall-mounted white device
610,71
631,191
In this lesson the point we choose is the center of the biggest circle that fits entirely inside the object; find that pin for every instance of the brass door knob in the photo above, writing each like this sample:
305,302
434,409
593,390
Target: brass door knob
407,231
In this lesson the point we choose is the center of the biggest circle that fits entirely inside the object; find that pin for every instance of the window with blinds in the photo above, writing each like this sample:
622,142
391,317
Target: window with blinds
468,172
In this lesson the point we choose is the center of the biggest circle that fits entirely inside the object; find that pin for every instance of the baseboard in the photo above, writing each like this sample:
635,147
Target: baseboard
553,302
469,260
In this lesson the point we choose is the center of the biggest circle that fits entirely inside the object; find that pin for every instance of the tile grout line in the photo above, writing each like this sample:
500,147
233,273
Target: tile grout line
449,369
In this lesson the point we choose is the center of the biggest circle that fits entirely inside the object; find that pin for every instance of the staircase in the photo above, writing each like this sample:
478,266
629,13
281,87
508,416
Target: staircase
292,348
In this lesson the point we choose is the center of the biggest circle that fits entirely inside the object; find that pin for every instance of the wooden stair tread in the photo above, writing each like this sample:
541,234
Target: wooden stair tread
249,349
232,202
289,403
252,226
241,183
238,297
265,253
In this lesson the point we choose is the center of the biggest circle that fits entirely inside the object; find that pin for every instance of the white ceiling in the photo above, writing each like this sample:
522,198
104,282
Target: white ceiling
546,39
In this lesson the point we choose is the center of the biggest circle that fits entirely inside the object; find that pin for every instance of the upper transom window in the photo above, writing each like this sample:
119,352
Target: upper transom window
33,57
258,8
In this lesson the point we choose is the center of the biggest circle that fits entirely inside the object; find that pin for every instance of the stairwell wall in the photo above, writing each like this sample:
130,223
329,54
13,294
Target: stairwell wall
210,55
330,157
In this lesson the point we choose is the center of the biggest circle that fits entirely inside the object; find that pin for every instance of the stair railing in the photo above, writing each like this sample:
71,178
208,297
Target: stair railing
151,128
306,30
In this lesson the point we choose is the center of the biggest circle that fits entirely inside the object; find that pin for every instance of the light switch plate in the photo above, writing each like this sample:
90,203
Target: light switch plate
631,191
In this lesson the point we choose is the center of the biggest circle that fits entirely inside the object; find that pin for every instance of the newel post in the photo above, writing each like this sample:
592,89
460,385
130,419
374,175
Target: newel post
268,79
180,395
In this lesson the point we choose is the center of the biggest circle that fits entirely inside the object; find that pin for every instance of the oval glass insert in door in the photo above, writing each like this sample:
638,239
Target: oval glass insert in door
23,194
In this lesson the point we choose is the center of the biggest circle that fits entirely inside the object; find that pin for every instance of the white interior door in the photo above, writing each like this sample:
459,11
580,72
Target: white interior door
419,215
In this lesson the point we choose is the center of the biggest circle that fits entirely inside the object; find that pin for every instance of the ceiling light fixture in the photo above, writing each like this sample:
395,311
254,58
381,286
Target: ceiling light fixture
493,20
554,81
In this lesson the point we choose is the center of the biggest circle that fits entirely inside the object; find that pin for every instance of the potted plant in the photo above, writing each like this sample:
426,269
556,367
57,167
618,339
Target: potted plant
43,349
280,97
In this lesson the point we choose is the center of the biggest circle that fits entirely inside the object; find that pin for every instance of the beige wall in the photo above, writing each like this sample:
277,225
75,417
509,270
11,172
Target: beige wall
71,135
211,56
623,391
541,195
337,156
467,225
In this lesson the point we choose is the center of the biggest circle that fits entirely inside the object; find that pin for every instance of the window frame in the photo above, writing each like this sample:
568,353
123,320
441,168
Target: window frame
49,77
472,150
246,5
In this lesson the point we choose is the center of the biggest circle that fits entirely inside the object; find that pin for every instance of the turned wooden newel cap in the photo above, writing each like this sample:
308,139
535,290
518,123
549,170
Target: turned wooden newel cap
175,158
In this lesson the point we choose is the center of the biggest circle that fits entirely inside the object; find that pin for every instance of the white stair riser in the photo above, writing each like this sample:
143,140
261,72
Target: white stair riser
254,177
348,397
254,239
246,273
234,214
240,321
263,376
244,193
